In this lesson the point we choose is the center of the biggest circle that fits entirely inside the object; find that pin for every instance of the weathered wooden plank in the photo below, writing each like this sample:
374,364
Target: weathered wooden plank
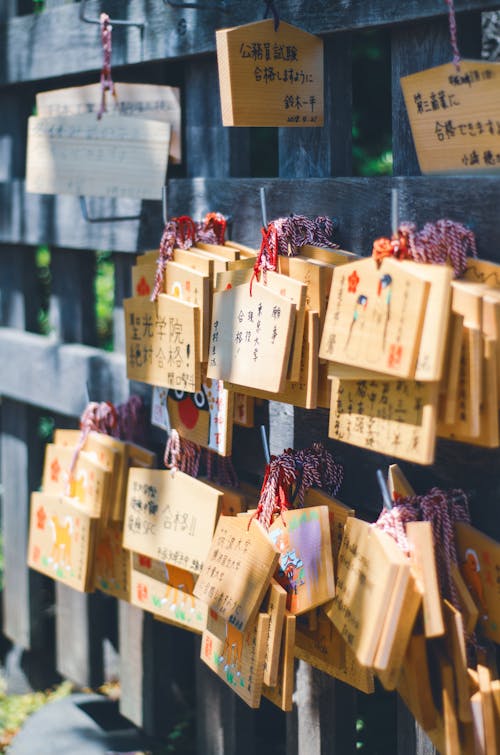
211,150
155,664
422,199
123,275
361,204
25,592
411,737
327,151
224,723
48,374
81,623
58,221
174,33
19,299
72,311
415,47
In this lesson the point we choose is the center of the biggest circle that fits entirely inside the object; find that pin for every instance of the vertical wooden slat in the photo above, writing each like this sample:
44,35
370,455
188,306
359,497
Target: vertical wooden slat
308,153
155,666
80,618
214,151
72,300
415,47
123,264
327,151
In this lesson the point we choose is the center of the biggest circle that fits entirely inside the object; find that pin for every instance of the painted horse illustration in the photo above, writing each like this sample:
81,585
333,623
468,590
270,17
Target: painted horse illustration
61,535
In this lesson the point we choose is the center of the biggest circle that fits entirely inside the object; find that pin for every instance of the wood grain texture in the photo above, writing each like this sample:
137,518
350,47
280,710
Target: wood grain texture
171,33
41,361
33,219
414,47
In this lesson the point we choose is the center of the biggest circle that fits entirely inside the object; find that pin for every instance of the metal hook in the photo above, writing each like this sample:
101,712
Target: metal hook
113,21
386,496
197,6
263,206
110,219
265,444
394,212
164,205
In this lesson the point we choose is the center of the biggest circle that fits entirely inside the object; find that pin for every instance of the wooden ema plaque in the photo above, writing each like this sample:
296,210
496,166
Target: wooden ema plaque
170,516
453,117
375,316
393,417
244,409
143,280
479,557
281,694
414,685
150,101
274,605
338,514
304,392
268,77
113,157
191,286
61,541
251,337
89,484
372,573
112,562
162,342
237,570
305,567
297,293
204,417
324,648
237,657
167,592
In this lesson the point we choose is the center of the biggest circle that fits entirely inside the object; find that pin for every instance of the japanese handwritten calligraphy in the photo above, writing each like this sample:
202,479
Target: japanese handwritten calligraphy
268,77
162,342
150,101
237,571
394,417
170,516
455,117
251,337
113,157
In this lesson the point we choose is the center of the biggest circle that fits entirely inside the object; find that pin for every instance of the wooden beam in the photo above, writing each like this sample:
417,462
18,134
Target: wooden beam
172,33
41,362
422,199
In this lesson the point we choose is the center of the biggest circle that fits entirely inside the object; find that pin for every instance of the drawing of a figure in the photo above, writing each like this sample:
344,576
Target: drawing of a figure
233,650
471,569
381,315
189,413
356,327
178,580
61,537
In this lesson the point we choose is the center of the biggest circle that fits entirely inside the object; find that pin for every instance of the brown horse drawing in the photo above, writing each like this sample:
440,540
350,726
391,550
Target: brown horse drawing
61,535
178,579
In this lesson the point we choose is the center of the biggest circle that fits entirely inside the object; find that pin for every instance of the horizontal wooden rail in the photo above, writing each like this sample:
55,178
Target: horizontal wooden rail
42,372
362,206
173,33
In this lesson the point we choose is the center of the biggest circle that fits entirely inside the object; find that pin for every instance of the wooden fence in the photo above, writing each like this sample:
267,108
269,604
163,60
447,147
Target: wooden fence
42,375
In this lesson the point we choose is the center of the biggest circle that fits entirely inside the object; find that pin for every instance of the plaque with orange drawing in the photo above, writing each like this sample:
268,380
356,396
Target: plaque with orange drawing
62,541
